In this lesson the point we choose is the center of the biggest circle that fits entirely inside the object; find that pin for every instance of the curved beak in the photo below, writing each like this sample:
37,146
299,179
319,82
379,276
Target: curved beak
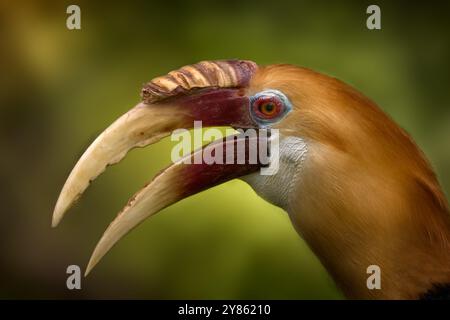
181,180
148,123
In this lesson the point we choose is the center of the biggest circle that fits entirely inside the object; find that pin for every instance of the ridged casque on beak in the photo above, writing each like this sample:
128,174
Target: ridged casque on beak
213,92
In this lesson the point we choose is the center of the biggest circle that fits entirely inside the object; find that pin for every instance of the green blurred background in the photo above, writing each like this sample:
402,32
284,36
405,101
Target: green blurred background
60,88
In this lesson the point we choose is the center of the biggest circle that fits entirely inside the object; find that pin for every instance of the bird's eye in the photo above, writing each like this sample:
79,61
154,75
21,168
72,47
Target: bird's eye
269,106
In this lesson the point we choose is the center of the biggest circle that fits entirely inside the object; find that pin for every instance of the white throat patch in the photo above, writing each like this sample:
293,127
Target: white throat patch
276,188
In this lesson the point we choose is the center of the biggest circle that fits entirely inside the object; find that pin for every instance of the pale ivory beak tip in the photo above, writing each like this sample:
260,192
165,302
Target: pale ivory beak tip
111,146
55,220
57,214
90,266
88,270
95,258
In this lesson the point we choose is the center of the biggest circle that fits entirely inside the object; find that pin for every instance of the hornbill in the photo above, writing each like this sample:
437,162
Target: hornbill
354,184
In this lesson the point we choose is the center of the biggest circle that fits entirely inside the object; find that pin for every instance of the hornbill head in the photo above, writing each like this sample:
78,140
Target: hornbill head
354,184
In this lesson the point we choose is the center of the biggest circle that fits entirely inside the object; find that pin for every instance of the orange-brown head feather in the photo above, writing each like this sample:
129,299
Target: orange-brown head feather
367,195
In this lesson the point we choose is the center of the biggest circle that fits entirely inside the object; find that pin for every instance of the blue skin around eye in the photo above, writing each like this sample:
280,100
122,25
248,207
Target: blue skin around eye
287,106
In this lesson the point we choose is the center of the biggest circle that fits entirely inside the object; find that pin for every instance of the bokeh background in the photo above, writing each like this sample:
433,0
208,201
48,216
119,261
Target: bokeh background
60,88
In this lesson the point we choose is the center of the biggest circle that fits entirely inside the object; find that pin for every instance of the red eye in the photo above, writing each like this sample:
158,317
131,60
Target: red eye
267,107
